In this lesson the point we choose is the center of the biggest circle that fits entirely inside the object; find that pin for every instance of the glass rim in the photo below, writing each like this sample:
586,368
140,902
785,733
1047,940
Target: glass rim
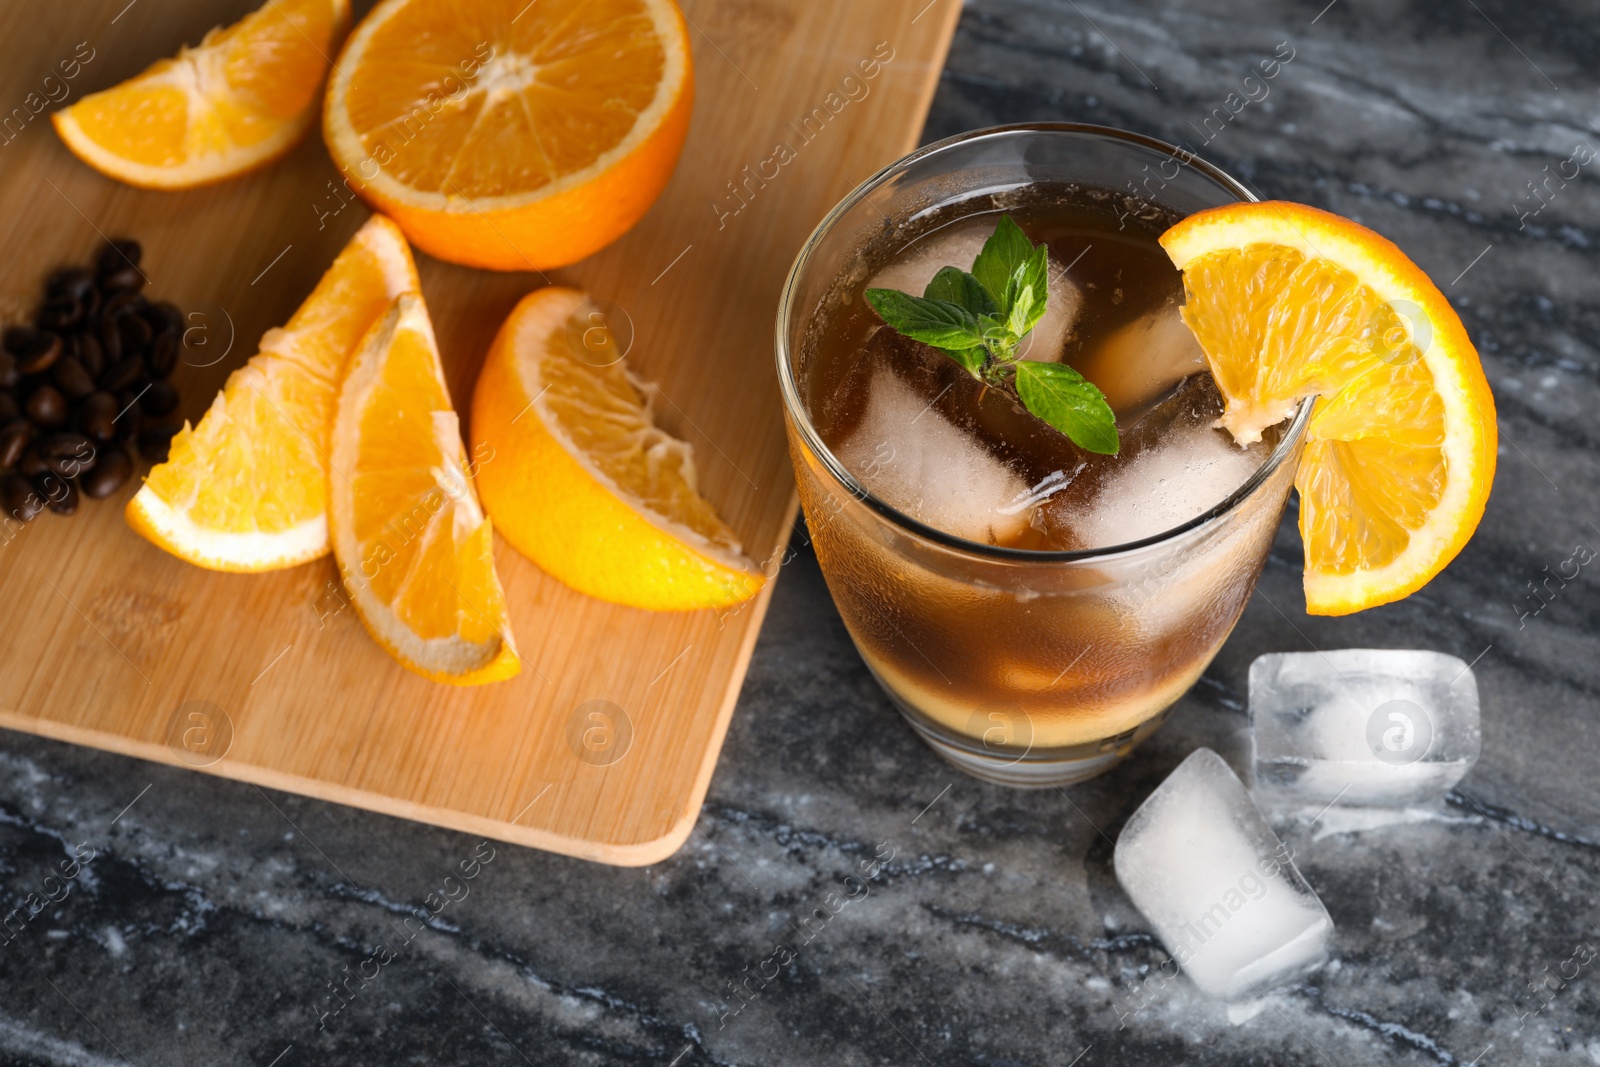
795,407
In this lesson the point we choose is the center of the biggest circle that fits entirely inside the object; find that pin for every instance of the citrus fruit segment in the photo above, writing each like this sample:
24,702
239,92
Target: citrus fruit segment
239,99
411,540
512,135
583,482
246,489
1290,302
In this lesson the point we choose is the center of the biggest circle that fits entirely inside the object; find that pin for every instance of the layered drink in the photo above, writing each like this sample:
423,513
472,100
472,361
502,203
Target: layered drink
1033,603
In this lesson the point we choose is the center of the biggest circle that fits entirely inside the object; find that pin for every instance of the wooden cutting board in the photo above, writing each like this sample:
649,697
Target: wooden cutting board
603,747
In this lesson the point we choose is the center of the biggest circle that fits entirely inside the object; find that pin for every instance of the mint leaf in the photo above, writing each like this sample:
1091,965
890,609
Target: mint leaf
970,358
997,333
979,319
954,285
1021,318
1036,275
1006,250
1066,400
939,323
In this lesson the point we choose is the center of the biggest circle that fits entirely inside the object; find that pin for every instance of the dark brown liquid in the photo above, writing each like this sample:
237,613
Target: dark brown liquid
1122,273
1029,653
1115,321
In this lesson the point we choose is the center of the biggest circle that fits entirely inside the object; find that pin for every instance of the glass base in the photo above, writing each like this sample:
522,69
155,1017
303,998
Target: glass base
1030,768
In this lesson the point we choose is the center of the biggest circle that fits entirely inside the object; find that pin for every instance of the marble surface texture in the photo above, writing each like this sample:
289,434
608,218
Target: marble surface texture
214,916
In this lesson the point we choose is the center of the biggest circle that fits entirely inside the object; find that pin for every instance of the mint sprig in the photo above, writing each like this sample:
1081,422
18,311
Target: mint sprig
979,319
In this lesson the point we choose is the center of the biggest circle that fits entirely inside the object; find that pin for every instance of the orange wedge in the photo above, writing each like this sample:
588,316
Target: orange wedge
582,481
508,134
247,488
413,546
238,100
1289,302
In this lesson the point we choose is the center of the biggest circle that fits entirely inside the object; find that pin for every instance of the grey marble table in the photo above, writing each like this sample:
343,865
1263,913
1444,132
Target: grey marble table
215,919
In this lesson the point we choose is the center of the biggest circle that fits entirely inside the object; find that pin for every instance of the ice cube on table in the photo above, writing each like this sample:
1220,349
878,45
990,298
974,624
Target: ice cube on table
958,245
1360,726
1222,892
917,461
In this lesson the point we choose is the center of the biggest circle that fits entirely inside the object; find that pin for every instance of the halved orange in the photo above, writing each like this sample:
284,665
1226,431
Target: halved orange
411,540
510,134
246,489
239,99
583,482
1290,302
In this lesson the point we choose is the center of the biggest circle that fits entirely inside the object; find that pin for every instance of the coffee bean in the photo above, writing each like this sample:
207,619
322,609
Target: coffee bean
31,464
64,443
122,302
59,493
71,378
110,339
60,313
164,317
14,437
47,407
121,374
18,338
71,466
68,504
164,354
43,350
126,280
136,334
74,282
129,410
19,499
160,399
97,416
154,441
86,349
68,443
85,386
108,475
119,252
67,454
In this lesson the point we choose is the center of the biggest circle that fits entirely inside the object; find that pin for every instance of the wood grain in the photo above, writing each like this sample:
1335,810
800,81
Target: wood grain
110,642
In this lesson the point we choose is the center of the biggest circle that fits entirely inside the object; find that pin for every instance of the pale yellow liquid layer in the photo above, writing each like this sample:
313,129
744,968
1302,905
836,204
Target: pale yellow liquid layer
1050,725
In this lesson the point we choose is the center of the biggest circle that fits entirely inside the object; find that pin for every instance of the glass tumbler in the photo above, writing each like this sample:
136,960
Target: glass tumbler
1028,668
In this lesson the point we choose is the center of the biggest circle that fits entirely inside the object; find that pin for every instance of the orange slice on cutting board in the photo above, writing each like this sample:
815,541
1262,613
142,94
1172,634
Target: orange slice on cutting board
411,539
1290,302
239,99
582,481
246,489
508,134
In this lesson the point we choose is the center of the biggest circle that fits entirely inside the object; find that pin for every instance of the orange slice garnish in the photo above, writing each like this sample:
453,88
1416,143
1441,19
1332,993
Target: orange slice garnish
1290,302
